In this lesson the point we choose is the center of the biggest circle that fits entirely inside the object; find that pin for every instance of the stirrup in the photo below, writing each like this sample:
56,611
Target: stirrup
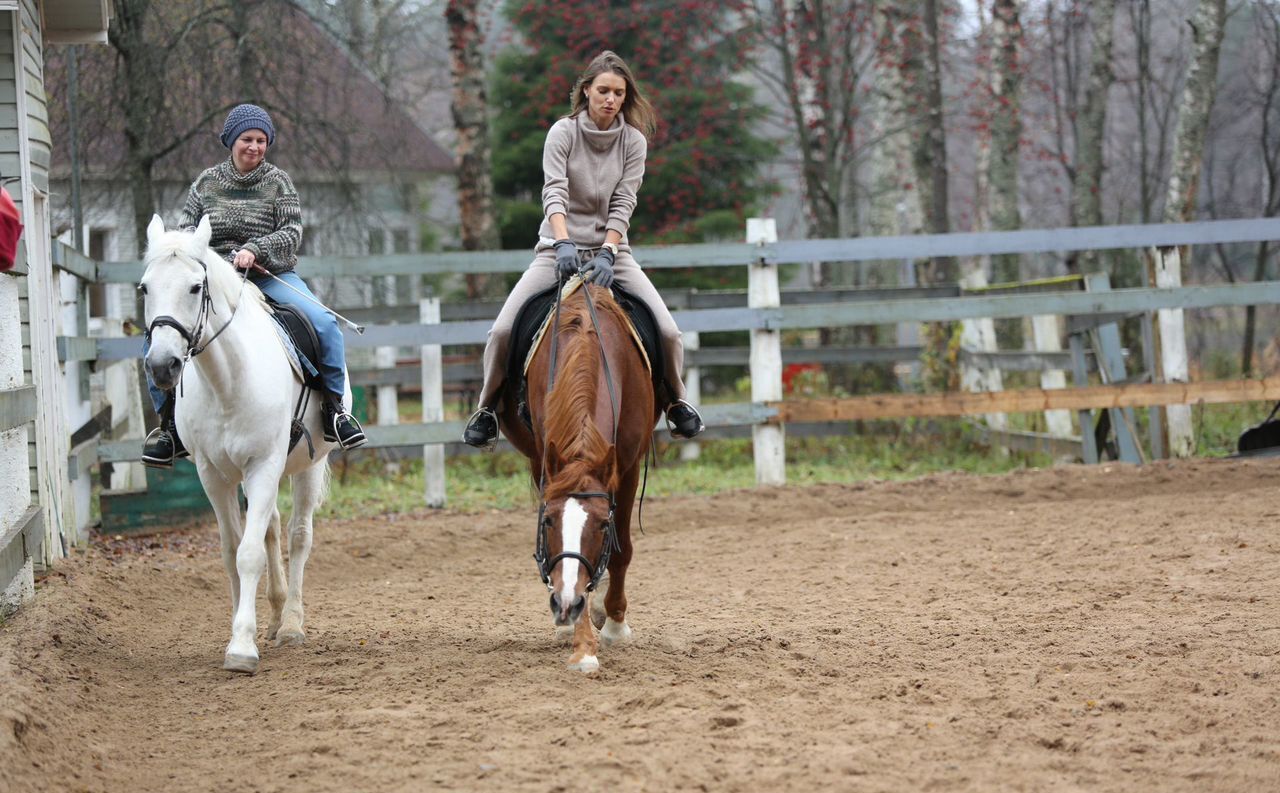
353,439
481,437
684,432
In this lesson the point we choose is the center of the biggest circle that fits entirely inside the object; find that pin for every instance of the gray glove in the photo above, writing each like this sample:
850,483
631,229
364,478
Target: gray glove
566,258
599,270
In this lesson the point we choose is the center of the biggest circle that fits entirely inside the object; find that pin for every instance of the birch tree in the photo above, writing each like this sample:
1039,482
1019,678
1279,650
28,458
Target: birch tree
1005,127
1086,186
1193,116
471,121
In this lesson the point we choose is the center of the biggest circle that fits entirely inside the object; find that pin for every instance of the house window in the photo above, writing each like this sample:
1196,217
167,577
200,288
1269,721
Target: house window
377,242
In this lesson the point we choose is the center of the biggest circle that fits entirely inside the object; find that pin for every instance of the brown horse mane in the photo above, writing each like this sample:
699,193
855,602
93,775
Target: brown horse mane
578,453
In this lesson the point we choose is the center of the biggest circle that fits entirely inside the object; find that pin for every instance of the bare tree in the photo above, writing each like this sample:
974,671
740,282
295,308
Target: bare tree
911,41
471,120
818,55
1193,117
1090,162
1005,127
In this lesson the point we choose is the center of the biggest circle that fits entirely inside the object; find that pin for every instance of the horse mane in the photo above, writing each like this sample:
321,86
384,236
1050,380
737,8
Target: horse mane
224,282
582,453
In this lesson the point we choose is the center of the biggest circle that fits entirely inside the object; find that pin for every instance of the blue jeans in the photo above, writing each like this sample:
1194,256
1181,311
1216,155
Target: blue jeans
333,352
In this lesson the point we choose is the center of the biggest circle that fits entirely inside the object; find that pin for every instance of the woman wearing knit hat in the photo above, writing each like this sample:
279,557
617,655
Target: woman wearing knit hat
257,220
592,165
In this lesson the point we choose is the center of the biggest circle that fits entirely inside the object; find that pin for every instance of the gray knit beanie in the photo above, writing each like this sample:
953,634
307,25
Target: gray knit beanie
243,117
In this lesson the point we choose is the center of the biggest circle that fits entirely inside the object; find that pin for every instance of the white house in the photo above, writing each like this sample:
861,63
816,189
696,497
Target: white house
37,516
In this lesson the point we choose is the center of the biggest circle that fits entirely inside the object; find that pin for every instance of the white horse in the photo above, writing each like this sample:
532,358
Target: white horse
213,338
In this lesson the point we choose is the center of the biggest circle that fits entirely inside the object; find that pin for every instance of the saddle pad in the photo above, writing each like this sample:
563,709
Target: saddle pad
302,342
569,288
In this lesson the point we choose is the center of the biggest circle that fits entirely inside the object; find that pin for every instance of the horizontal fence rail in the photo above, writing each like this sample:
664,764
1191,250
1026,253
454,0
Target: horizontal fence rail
1211,232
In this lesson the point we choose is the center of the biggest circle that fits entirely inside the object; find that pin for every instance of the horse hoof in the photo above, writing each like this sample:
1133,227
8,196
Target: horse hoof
614,632
587,665
288,638
240,663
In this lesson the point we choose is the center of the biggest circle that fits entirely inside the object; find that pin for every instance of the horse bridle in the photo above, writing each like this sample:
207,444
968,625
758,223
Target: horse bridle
193,337
545,565
540,553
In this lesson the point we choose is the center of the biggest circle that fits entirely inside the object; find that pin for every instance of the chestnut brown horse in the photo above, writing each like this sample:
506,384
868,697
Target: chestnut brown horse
592,410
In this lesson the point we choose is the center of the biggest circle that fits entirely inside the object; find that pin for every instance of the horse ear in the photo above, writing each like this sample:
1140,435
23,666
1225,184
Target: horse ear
204,232
154,229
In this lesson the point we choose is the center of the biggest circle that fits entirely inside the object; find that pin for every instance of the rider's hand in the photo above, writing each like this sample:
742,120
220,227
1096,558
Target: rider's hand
566,257
599,270
244,260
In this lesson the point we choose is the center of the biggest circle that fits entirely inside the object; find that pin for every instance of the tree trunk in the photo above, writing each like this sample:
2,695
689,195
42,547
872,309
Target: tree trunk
471,120
1193,117
144,91
1006,129
1086,188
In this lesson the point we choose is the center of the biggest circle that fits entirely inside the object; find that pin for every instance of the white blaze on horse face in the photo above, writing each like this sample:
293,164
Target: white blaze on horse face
572,522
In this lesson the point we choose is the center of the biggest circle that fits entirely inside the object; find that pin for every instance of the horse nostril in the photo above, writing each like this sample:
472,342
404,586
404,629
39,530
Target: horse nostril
555,603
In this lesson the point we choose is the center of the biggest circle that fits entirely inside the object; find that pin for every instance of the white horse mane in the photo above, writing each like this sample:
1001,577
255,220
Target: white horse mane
225,283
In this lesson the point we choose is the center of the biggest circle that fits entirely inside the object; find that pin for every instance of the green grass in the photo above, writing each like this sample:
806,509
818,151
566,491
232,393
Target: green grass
364,486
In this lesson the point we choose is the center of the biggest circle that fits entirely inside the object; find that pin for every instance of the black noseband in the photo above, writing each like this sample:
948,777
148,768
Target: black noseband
541,553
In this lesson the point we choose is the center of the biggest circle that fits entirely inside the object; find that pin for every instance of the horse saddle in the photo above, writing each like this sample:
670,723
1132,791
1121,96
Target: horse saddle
300,341
535,317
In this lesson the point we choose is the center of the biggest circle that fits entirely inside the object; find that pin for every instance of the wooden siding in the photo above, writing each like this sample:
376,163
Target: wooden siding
39,141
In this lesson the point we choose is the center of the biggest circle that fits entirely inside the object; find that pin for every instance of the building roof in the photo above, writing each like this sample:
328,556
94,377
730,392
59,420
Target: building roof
332,118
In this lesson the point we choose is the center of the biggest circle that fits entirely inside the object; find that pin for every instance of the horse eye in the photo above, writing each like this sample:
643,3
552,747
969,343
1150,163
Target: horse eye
195,290
142,288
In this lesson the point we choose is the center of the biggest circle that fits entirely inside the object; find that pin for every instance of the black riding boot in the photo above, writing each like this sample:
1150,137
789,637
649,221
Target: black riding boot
683,419
341,427
482,429
163,445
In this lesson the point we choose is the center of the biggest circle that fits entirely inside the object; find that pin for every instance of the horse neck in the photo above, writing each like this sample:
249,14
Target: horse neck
227,363
581,433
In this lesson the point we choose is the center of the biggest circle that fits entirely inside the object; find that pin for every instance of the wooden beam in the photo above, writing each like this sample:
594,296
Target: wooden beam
17,407
891,406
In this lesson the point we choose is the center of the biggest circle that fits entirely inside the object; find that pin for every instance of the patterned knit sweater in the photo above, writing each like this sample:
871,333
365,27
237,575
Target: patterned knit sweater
257,211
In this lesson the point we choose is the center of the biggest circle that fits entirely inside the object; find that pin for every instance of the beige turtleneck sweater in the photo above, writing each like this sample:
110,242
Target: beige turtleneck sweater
592,176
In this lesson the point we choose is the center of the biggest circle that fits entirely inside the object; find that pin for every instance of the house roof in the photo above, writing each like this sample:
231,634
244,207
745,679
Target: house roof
331,117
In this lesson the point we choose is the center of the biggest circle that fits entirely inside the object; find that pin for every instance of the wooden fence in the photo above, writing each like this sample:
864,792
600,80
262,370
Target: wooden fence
1090,313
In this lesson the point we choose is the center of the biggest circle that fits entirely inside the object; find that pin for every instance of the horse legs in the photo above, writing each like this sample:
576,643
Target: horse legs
251,558
275,574
615,627
585,646
308,492
222,496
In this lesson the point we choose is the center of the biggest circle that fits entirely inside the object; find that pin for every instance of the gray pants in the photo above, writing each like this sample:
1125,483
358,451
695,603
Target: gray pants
542,275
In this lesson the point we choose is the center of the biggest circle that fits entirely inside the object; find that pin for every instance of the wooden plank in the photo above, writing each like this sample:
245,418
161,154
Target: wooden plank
17,407
1085,238
920,246
887,406
19,542
77,348
70,260
1106,339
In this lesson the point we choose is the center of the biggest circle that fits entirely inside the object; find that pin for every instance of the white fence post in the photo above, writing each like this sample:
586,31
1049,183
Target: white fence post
768,440
1047,337
690,450
432,405
979,335
1173,350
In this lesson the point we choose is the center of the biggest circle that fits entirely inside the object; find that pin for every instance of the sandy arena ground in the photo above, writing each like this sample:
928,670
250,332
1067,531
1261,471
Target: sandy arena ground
1101,629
